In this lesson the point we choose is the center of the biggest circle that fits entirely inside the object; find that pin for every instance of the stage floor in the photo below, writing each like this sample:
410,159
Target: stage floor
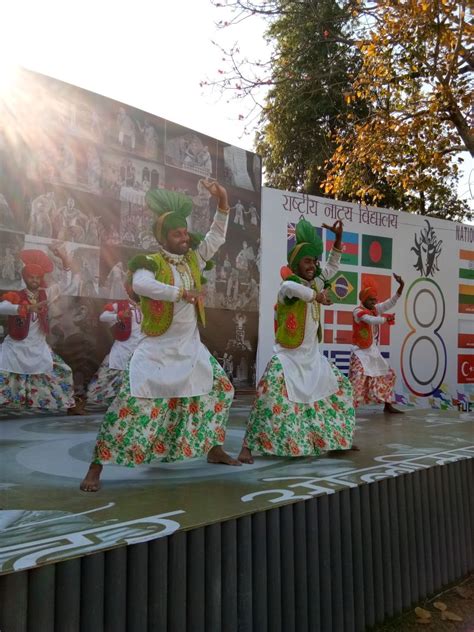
44,517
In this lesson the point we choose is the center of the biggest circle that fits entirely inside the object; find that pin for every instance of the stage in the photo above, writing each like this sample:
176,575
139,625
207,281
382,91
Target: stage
47,522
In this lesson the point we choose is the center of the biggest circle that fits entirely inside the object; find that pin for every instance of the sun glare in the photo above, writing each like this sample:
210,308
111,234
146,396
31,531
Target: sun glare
8,74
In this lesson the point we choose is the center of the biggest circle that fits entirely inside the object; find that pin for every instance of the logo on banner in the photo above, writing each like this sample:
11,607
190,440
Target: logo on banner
466,368
423,353
291,235
427,249
350,247
376,251
343,288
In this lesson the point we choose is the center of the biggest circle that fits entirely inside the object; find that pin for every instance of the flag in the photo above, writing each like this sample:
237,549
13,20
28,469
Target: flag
466,368
376,251
383,283
350,247
466,264
291,236
337,327
466,298
342,357
343,288
466,334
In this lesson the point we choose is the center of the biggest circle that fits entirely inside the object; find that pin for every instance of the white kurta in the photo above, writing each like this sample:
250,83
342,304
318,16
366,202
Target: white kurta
122,350
175,364
32,355
308,374
373,363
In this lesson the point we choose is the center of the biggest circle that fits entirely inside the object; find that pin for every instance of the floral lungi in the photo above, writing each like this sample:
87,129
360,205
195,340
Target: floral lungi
46,391
368,390
284,428
138,430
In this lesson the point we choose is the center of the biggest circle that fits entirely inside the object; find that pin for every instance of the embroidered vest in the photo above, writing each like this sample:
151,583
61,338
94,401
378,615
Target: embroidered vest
290,324
158,315
19,326
362,334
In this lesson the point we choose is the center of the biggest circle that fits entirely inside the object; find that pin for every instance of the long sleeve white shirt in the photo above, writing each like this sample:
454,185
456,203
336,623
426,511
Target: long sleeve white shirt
308,374
32,355
122,350
373,363
175,364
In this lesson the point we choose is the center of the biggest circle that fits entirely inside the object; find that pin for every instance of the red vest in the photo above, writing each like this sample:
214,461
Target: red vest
362,334
19,326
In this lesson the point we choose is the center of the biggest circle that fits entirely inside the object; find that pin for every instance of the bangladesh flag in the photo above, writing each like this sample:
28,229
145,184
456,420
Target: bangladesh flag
466,264
350,247
343,288
376,251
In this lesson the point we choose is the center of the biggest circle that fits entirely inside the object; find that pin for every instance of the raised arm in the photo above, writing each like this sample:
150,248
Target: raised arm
215,238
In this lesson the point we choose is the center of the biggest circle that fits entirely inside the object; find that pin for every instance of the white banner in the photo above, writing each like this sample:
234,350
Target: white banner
431,346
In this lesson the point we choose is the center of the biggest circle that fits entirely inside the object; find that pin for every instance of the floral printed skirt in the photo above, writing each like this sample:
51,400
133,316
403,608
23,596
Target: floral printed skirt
284,428
368,390
46,391
137,430
105,385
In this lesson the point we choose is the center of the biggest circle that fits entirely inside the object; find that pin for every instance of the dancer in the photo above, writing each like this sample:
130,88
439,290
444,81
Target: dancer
303,405
371,377
125,318
31,374
174,401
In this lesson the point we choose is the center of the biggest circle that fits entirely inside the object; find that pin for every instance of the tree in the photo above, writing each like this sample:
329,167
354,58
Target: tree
414,80
366,101
309,77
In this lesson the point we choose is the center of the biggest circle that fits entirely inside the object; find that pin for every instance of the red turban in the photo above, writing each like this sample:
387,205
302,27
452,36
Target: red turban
36,263
369,290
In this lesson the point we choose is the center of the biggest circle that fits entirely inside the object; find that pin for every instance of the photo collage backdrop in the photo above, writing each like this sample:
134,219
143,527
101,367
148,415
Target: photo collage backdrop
75,168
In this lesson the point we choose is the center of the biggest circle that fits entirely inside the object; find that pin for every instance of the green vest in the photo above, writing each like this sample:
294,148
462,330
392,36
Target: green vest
158,315
290,323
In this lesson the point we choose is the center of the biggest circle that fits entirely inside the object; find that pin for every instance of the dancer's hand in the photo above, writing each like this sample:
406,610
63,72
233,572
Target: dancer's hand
390,319
193,296
323,298
217,191
337,229
401,283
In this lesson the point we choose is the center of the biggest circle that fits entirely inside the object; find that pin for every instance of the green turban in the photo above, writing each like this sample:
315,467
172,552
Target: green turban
172,209
308,244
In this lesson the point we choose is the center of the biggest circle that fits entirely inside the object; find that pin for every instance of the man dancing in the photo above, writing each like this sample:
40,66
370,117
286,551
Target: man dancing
174,401
303,405
371,377
125,318
31,374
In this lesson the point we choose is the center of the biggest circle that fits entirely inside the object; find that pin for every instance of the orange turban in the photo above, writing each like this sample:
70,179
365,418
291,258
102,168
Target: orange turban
367,292
36,263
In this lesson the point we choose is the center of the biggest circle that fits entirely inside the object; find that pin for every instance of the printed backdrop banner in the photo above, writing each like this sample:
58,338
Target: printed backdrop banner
74,171
431,346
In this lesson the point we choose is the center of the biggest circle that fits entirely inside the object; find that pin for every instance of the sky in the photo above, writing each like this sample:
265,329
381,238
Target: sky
147,53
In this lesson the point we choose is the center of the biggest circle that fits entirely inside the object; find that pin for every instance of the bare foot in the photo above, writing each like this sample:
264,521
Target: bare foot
217,455
245,456
91,483
388,408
